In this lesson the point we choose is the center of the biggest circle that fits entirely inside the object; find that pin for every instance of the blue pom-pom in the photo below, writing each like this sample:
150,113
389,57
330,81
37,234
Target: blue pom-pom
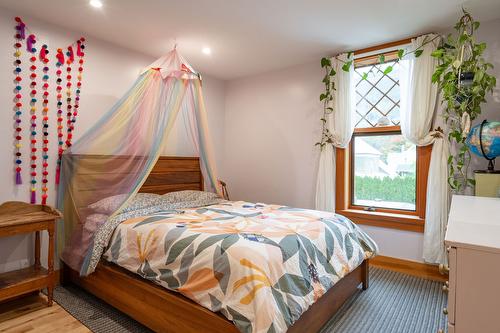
18,88
33,133
18,161
18,70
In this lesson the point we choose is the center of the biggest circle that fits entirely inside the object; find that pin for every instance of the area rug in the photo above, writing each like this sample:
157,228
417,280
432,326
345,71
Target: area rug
394,303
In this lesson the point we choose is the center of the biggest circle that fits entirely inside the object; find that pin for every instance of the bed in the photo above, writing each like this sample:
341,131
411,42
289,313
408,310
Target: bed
125,282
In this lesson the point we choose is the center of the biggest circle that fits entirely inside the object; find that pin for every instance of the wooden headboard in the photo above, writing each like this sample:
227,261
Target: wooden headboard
170,174
174,174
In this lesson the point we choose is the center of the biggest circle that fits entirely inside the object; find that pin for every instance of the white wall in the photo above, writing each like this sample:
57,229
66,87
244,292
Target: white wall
272,123
108,73
271,127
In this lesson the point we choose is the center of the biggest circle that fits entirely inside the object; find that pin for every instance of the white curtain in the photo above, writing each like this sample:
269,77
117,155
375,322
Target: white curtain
421,116
340,124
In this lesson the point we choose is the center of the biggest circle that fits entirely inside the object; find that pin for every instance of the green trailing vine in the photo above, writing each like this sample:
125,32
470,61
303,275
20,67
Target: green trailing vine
327,95
462,76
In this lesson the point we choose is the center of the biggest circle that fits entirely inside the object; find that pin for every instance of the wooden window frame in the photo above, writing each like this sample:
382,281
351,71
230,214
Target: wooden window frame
381,217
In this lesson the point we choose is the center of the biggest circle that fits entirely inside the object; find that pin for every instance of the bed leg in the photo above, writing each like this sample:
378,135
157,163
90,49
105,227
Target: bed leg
64,274
365,271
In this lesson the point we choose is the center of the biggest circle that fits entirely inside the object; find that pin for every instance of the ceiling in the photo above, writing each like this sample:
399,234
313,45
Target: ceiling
252,36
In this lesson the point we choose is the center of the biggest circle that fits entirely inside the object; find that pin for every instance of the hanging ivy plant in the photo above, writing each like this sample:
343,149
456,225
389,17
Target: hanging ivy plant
463,78
326,97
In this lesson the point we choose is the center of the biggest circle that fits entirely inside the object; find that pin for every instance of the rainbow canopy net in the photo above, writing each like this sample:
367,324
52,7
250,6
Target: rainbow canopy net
114,157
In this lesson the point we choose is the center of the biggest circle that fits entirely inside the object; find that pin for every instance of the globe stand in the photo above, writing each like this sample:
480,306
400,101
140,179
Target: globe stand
491,161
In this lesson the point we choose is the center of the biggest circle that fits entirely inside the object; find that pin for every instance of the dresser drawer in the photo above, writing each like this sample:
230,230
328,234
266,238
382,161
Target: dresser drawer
452,283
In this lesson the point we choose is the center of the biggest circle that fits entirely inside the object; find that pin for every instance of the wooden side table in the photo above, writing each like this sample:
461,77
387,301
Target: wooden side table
20,218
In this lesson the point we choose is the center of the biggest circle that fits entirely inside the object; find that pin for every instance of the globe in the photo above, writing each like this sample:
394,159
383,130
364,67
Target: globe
489,139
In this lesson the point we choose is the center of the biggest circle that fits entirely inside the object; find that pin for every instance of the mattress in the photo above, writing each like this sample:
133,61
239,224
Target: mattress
259,265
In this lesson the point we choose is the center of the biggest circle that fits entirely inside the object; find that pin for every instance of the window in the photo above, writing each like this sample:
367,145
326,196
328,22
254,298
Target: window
383,171
383,177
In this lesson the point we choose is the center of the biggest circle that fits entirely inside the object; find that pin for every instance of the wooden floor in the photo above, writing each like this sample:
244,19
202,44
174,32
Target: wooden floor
31,314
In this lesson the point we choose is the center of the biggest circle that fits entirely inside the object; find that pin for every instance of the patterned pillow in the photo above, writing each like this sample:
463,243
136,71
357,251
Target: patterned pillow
189,195
110,204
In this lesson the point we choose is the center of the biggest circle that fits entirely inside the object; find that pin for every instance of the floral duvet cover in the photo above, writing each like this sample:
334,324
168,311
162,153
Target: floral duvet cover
260,265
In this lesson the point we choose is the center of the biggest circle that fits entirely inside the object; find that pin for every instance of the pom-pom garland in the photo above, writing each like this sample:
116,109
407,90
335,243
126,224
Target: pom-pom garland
60,135
18,37
39,96
30,42
45,124
71,108
76,105
69,124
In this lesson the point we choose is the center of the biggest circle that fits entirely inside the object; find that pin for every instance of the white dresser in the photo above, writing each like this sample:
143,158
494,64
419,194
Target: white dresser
473,241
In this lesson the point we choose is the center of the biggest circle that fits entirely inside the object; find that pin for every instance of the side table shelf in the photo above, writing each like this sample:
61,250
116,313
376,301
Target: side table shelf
21,218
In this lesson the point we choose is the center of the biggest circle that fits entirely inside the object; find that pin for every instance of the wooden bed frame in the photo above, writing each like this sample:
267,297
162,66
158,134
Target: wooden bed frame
163,310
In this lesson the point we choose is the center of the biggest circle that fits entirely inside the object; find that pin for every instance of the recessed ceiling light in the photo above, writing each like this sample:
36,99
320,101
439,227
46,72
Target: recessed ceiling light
96,3
206,50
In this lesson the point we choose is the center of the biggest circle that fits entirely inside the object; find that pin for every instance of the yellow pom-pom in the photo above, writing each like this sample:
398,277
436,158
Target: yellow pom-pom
17,54
18,145
33,189
33,109
79,77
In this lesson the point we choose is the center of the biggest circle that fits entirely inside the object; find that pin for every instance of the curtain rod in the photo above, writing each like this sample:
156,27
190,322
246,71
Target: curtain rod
384,46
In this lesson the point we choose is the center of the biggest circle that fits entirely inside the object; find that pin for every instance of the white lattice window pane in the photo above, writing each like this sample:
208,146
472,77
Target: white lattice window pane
385,84
373,117
373,96
363,87
357,118
374,75
363,107
363,124
394,93
385,105
394,116
378,95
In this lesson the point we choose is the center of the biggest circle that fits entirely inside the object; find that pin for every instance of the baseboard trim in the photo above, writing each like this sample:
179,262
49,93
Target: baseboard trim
414,268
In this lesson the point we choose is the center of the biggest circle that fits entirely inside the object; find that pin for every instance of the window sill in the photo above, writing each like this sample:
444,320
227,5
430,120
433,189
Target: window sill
385,220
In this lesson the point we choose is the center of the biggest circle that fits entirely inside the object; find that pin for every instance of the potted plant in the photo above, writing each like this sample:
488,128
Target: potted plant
464,81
